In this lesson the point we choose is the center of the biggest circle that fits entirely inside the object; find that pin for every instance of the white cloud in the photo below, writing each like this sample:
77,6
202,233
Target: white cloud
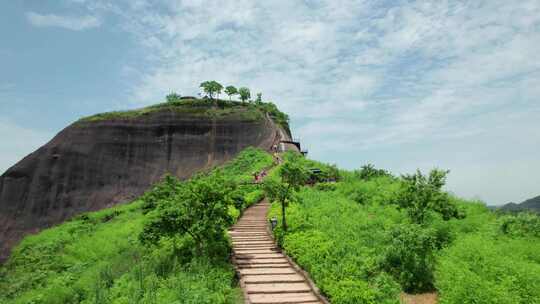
75,23
354,75
18,142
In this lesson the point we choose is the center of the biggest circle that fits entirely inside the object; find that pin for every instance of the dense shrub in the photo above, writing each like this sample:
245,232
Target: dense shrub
362,244
369,171
340,243
521,225
162,190
422,194
200,211
409,257
173,97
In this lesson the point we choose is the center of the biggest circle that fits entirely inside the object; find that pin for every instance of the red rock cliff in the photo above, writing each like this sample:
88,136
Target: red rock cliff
92,165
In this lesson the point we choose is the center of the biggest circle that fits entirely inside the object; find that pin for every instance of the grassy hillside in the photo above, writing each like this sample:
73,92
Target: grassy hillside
364,239
361,245
99,257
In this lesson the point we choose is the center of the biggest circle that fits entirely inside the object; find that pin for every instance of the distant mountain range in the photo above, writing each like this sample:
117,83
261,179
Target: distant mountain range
532,204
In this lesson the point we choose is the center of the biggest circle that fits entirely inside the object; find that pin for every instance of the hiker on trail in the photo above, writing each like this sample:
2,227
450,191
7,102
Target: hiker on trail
274,148
256,177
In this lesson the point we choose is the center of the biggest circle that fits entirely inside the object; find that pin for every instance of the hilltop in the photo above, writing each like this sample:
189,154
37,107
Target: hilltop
110,158
532,204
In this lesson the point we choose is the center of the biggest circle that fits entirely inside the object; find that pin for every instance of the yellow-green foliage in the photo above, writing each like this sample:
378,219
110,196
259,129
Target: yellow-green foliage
97,258
344,235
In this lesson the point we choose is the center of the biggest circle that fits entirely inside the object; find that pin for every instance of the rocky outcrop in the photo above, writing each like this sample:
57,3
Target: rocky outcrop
96,164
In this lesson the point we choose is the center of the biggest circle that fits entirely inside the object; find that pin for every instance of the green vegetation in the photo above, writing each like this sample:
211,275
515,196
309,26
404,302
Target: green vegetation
173,97
207,107
292,175
244,94
99,257
211,88
370,236
231,91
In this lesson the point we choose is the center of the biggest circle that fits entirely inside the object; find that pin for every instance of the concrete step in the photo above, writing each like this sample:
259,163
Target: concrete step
247,250
261,261
249,240
278,288
247,233
288,298
250,237
266,271
252,243
268,255
254,247
273,278
281,265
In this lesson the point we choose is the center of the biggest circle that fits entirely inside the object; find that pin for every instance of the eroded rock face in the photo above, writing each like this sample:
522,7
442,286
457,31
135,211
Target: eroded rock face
93,165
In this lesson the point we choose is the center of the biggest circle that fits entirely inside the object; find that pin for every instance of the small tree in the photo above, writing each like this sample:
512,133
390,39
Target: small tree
422,194
211,88
172,97
199,211
369,171
244,93
231,90
259,98
293,176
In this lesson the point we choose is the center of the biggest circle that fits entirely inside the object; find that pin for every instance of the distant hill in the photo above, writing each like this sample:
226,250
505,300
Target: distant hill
532,204
110,158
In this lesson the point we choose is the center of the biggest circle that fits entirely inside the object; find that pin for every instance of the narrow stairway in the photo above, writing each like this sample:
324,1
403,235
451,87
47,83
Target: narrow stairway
266,275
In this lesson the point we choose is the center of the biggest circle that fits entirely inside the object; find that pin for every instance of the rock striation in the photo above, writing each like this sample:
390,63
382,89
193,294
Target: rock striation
97,163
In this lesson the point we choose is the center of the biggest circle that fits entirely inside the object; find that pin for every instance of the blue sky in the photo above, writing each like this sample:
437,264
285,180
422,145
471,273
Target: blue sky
401,84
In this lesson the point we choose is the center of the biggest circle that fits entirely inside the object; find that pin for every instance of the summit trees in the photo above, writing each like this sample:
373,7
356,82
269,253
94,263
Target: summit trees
244,93
212,88
231,90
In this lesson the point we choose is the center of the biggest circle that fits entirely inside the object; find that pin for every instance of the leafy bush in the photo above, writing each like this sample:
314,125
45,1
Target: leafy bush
369,171
337,240
326,186
423,194
199,211
409,257
360,246
521,225
173,97
162,190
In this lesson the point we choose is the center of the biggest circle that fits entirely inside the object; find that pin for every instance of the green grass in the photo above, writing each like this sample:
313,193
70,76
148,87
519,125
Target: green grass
225,110
98,258
341,234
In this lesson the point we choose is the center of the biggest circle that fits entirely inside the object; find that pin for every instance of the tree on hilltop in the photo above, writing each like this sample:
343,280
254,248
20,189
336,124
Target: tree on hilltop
172,97
231,90
259,98
211,88
244,93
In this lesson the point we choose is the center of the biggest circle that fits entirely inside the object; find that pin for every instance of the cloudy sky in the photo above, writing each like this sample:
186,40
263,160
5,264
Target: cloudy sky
400,84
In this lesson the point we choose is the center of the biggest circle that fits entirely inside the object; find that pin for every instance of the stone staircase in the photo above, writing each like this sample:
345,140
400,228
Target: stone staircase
266,275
